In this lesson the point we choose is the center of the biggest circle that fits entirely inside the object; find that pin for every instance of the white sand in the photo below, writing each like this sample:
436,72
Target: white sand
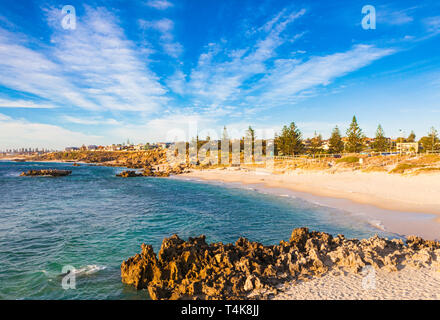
399,199
404,284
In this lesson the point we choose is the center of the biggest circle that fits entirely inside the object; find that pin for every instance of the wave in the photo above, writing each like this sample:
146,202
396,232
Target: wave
377,224
88,270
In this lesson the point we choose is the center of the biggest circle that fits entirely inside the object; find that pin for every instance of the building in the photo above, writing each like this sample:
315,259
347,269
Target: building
69,149
407,147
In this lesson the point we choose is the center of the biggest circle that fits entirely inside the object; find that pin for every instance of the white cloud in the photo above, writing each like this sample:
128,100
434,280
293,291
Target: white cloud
394,17
159,4
221,73
90,121
291,78
433,25
93,67
16,133
6,103
164,27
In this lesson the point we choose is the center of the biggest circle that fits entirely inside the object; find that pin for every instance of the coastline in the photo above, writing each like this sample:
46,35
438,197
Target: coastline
404,205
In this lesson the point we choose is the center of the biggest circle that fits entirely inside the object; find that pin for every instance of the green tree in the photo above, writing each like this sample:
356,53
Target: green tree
289,141
430,142
411,137
355,137
380,142
250,134
335,143
316,143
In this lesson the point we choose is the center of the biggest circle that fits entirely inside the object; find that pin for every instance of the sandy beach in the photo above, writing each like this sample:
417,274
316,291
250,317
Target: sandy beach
406,284
404,204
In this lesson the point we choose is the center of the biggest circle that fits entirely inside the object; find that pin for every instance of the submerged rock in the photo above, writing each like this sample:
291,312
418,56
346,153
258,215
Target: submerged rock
194,269
47,172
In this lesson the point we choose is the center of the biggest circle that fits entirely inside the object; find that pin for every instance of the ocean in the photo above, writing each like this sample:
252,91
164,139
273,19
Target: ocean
92,221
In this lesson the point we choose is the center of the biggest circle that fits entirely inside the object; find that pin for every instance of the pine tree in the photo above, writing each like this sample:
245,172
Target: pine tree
411,137
355,137
316,143
289,142
335,143
250,135
431,142
380,143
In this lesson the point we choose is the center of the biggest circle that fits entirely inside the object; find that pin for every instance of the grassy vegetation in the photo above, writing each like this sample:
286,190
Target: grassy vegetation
350,159
402,167
427,170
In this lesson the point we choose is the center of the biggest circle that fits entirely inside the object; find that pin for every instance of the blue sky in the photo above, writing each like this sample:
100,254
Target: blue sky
156,70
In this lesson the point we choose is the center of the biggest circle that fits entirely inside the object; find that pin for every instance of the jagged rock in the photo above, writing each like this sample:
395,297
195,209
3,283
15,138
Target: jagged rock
47,172
194,269
129,174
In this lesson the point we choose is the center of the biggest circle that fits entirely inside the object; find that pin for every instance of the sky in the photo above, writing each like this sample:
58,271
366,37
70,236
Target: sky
166,70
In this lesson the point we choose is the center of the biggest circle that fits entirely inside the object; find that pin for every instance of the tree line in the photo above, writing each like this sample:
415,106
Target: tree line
290,141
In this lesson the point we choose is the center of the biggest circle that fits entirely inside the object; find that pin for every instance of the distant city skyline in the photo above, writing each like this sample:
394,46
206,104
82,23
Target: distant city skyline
149,70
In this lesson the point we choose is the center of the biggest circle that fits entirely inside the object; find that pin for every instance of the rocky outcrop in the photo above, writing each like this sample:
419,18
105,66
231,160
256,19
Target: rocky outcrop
165,170
129,174
128,159
194,269
47,172
153,162
154,171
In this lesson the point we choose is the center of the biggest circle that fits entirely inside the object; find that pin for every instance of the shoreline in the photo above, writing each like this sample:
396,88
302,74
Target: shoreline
352,192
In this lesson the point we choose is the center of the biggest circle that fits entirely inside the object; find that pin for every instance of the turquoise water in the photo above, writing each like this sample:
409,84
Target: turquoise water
93,221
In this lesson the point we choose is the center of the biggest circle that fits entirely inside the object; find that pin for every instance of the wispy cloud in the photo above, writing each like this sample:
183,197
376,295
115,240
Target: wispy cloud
93,67
91,121
17,133
6,103
291,78
254,78
221,72
395,17
164,27
433,25
159,4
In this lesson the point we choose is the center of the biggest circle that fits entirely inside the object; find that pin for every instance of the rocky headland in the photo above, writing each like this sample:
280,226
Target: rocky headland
47,172
194,269
129,159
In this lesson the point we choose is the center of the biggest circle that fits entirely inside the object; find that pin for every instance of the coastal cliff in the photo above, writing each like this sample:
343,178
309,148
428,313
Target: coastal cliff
194,269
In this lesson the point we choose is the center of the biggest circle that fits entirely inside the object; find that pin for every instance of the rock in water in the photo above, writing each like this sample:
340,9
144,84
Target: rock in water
194,269
47,172
129,174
